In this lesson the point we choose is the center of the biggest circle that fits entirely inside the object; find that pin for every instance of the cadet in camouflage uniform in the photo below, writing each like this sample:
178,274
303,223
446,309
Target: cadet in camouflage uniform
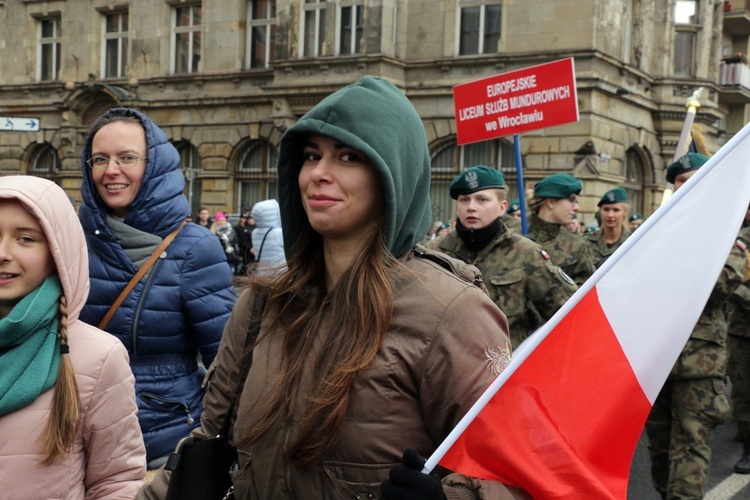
635,221
518,273
512,217
612,231
554,204
739,357
692,402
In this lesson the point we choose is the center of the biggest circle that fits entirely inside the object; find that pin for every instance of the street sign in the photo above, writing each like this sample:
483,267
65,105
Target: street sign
19,124
517,101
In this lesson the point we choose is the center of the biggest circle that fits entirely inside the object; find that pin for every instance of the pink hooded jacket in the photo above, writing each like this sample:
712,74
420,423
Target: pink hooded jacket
108,459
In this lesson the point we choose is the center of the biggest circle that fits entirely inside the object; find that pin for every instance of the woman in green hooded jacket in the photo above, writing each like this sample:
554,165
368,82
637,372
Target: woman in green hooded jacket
363,348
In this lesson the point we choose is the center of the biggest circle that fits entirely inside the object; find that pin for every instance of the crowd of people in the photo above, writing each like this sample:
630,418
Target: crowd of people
362,364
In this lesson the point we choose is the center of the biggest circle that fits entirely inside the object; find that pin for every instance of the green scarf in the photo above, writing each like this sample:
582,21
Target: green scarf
29,353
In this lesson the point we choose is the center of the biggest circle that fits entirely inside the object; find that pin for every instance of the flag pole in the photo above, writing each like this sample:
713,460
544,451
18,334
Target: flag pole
520,184
692,106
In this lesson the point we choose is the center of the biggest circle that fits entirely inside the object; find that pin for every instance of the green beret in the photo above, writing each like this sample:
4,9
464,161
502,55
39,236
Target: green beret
558,186
635,216
614,195
514,206
477,178
690,161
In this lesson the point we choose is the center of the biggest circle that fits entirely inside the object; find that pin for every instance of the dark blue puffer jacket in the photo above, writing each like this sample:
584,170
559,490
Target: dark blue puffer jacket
176,311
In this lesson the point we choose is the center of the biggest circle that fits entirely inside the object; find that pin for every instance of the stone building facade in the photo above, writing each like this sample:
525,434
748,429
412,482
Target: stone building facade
225,78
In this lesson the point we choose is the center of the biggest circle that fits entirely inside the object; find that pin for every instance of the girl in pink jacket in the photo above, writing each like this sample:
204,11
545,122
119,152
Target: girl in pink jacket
68,424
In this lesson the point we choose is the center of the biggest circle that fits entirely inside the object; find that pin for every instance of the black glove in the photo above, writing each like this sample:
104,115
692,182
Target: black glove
407,482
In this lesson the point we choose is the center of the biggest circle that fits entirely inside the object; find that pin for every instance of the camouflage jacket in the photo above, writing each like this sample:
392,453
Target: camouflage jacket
705,354
738,307
567,250
512,223
600,250
519,276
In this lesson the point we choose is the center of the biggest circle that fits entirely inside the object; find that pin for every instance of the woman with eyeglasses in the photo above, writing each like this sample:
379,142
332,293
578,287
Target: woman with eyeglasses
132,200
553,205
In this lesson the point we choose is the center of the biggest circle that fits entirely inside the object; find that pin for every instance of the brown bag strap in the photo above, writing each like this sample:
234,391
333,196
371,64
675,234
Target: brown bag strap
138,275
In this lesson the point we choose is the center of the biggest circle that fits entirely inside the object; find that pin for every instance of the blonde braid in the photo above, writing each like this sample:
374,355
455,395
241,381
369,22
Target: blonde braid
62,426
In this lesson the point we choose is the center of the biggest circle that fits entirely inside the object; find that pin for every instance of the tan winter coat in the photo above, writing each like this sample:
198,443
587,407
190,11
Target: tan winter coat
446,344
108,460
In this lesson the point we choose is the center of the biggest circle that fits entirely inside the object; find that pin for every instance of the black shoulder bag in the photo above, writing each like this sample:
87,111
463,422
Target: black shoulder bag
200,467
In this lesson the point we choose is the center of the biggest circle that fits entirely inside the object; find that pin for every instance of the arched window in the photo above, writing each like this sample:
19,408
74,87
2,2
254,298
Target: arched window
634,180
190,160
448,160
256,178
44,162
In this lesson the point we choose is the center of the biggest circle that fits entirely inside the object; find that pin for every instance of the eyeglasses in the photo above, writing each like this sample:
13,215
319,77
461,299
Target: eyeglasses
102,162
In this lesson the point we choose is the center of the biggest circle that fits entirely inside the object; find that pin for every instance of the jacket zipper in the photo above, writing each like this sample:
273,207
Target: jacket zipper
138,309
189,418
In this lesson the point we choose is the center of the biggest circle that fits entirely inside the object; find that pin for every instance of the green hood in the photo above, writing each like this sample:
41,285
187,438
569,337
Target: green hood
375,118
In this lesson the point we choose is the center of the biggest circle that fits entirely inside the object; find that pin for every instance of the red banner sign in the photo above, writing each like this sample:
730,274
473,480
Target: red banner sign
518,101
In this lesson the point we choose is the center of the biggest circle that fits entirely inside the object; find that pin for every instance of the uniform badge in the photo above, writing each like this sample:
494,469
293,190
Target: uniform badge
545,254
741,245
565,276
611,196
471,179
498,359
685,162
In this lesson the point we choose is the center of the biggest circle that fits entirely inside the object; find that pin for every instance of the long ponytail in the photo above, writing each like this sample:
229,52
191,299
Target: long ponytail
65,417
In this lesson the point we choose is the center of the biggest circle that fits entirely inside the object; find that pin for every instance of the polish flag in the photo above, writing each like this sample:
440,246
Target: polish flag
563,419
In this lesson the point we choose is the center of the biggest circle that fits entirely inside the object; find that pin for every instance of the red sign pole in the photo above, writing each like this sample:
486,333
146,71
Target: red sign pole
519,182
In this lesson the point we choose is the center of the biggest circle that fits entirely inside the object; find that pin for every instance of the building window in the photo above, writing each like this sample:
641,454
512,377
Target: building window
351,27
478,28
261,19
686,33
635,180
313,28
44,162
448,160
256,177
186,38
115,47
684,53
48,55
190,160
685,12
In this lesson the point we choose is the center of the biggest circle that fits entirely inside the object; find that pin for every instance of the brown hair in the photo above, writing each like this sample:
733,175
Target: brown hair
533,201
111,116
361,302
65,417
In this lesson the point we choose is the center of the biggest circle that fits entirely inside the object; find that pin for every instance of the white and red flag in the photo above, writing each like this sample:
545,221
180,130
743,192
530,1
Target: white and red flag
564,418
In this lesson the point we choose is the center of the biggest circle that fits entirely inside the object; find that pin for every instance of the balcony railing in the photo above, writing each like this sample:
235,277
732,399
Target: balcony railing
735,74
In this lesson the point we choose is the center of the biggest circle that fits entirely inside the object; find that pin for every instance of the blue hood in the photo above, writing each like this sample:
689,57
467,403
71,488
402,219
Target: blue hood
160,205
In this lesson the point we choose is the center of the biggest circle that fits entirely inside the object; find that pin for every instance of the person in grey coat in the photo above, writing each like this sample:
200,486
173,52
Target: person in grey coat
268,241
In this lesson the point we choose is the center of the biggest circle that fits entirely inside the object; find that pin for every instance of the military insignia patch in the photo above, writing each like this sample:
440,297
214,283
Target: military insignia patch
611,196
741,245
498,359
565,276
472,179
685,162
545,255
